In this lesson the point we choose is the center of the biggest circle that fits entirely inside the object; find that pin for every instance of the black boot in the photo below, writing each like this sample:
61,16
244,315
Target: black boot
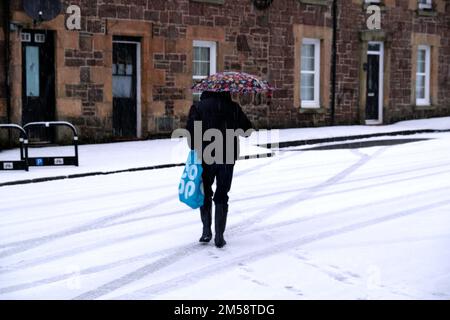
205,214
220,224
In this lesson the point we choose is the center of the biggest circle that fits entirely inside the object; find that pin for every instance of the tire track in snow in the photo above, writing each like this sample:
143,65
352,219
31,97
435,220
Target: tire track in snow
77,250
84,198
260,216
260,230
306,195
93,247
386,202
264,196
159,253
100,268
273,160
195,276
141,272
59,187
21,246
116,216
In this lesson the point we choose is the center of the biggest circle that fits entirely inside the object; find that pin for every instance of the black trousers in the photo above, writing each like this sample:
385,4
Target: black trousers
223,174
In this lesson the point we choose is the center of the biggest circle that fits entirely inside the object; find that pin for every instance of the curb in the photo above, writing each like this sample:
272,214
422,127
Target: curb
266,155
105,173
297,143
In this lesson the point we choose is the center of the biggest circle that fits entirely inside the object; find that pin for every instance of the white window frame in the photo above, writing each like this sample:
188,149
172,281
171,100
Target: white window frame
212,56
428,4
315,103
379,52
25,37
426,101
39,38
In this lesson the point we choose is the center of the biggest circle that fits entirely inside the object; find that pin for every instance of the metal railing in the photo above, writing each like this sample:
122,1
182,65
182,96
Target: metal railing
21,164
54,161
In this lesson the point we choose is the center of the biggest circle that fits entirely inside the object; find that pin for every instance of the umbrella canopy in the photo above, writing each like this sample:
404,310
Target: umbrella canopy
233,82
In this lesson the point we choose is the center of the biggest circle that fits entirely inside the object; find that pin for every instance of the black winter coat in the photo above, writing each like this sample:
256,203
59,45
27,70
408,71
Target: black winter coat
218,111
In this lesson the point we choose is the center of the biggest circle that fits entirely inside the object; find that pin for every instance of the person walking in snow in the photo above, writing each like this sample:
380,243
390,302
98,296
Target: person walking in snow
216,110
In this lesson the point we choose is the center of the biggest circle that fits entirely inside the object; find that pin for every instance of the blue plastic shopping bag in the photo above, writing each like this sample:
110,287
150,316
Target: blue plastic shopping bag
191,185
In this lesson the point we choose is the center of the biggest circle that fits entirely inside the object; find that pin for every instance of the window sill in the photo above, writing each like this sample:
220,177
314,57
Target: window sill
424,107
210,1
312,110
426,13
316,2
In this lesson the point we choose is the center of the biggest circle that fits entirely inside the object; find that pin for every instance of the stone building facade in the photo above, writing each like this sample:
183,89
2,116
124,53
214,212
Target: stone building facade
3,108
148,53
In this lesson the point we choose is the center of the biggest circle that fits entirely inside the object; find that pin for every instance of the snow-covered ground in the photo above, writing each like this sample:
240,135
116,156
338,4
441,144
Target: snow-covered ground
284,135
364,223
141,154
110,157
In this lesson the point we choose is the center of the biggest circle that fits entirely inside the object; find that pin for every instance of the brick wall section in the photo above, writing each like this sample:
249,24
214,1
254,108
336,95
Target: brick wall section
351,20
267,36
258,42
84,58
172,64
3,117
400,22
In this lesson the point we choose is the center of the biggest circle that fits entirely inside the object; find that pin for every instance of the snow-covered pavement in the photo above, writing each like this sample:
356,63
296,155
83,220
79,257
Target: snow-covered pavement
442,123
364,223
108,157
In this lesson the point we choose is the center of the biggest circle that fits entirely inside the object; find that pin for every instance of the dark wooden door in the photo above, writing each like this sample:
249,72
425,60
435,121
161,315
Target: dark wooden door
373,90
124,90
38,80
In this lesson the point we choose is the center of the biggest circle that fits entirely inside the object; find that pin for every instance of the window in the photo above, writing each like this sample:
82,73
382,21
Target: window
122,70
32,71
39,38
25,37
425,4
310,73
373,47
423,76
204,61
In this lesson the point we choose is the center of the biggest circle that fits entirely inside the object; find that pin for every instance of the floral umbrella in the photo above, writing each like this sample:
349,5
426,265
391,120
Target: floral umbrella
233,82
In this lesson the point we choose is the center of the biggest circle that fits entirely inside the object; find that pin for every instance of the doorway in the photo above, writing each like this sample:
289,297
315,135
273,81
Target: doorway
126,88
374,84
38,80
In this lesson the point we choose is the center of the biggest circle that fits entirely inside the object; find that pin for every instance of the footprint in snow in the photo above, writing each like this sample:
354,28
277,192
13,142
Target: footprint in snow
439,294
338,277
267,237
294,290
345,272
353,275
244,277
260,283
213,255
244,267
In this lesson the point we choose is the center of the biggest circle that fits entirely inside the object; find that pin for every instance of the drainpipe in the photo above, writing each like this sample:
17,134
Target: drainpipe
333,62
6,28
